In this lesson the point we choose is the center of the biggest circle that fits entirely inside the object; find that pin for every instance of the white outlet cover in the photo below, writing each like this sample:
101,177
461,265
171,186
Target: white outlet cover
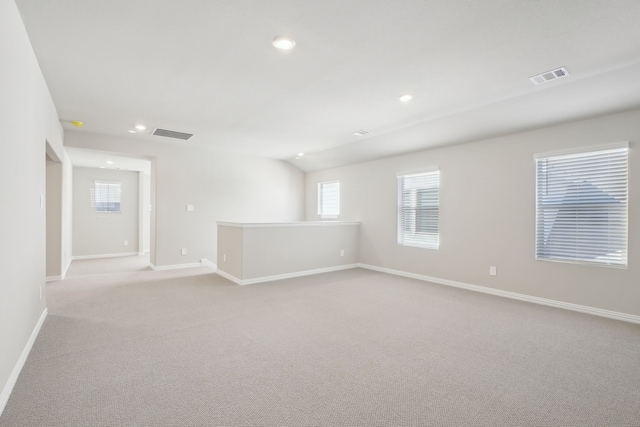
190,208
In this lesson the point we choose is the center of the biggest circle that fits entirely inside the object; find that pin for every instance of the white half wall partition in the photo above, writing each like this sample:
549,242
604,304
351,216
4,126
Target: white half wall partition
261,252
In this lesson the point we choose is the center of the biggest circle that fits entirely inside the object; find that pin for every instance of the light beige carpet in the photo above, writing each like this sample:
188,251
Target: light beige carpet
352,348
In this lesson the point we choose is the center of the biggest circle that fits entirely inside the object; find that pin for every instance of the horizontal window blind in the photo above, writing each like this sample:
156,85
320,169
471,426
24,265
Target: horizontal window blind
329,199
106,196
581,207
419,210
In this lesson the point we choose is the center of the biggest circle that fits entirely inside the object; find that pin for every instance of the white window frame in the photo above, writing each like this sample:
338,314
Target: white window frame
328,208
582,206
106,192
409,185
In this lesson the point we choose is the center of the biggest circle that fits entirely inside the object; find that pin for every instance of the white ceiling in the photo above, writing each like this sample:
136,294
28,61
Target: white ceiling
207,67
81,157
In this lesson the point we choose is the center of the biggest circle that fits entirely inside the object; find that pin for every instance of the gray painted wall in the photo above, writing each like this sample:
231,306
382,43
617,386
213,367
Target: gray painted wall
221,186
67,213
28,120
488,215
53,202
101,233
260,250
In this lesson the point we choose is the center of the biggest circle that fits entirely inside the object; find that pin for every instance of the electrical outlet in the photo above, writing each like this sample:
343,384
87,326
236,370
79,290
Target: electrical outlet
126,243
40,291
341,252
184,251
492,270
224,258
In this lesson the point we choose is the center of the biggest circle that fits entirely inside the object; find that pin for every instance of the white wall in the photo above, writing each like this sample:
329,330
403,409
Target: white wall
488,216
104,233
27,120
53,204
260,252
145,210
67,213
221,187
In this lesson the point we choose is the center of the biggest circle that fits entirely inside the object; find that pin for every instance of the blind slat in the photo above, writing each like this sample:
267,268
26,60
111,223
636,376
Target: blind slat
581,207
419,210
106,196
329,198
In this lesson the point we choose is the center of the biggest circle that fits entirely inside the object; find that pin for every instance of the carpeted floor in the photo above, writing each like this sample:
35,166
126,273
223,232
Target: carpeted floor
134,347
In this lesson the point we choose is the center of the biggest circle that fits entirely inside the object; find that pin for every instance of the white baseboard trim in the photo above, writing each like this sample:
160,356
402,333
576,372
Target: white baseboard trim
230,277
513,295
66,269
62,276
207,263
175,266
285,275
122,254
11,382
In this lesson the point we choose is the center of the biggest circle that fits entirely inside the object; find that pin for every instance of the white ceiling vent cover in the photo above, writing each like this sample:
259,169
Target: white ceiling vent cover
549,75
171,134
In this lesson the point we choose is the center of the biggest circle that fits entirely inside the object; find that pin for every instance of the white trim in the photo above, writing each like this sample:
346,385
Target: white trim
11,382
54,278
66,269
625,317
581,150
228,276
285,275
175,266
78,257
289,224
206,263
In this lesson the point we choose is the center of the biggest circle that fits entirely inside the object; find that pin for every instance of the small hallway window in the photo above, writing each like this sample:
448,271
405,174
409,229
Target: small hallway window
106,196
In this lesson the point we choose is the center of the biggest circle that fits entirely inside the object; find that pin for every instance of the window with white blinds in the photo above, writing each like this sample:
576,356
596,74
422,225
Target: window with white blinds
329,199
581,207
419,210
106,196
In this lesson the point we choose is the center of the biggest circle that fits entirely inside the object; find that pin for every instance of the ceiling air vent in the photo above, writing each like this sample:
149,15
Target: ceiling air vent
549,75
171,134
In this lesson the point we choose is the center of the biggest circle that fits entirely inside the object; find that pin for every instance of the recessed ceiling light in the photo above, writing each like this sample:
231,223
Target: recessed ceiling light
109,162
300,154
141,127
361,132
283,43
406,98
132,131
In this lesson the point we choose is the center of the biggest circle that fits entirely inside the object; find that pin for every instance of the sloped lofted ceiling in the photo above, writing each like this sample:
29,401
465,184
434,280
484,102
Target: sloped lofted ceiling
207,67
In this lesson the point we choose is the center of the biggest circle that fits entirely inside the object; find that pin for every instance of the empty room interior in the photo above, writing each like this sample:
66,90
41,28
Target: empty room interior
328,213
